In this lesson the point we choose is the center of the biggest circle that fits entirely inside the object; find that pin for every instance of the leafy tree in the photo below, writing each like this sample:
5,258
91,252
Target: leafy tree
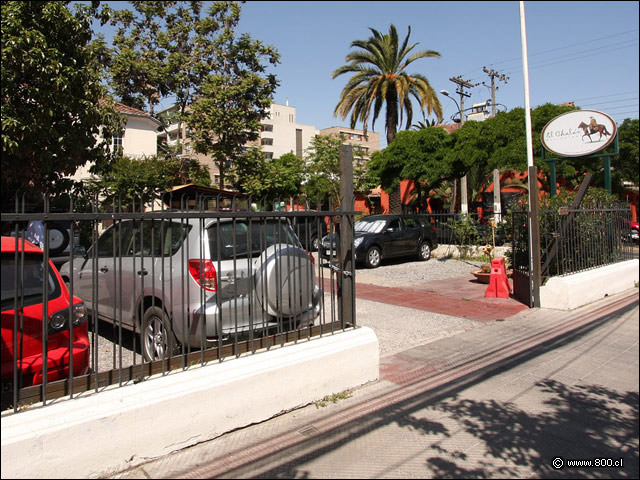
626,165
130,180
322,170
52,108
269,179
414,155
380,77
181,49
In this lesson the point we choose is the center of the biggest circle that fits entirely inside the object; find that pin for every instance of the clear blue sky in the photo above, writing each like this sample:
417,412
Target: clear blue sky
586,52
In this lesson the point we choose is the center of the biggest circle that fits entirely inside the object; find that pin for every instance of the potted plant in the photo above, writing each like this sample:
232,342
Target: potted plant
483,274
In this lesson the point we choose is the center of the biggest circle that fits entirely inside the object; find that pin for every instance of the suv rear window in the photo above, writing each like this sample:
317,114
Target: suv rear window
235,237
30,277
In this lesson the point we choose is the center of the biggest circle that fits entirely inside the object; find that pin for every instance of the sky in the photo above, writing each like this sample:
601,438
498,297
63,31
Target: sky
585,52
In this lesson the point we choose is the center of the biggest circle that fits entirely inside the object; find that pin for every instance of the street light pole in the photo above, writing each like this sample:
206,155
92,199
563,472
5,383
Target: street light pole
454,189
446,94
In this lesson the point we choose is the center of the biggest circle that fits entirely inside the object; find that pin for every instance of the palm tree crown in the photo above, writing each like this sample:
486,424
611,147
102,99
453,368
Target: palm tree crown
380,77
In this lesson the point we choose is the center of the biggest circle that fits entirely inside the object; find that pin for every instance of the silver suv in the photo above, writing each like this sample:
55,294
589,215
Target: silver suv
197,281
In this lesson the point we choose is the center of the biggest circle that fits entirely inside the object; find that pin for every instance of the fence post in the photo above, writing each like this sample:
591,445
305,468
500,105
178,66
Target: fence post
346,280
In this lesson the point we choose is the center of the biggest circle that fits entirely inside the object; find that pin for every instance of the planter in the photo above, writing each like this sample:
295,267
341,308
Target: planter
482,277
485,277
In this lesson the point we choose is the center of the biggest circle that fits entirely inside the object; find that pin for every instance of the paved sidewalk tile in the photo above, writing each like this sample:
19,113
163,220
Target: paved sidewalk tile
503,400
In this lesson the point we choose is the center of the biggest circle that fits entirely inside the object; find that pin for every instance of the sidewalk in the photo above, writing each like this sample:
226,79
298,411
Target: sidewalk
502,399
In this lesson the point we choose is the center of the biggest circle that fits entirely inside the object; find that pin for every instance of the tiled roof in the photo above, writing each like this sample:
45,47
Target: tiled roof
450,127
122,108
125,109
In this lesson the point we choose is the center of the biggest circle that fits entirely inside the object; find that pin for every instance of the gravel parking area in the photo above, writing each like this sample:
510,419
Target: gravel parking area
400,328
397,328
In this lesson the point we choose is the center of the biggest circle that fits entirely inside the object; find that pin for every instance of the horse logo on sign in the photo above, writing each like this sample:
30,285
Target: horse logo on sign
592,128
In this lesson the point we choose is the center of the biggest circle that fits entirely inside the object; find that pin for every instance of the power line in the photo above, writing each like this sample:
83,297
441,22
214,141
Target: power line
604,96
566,46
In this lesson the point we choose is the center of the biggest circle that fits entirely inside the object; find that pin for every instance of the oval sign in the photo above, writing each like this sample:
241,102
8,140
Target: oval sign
578,133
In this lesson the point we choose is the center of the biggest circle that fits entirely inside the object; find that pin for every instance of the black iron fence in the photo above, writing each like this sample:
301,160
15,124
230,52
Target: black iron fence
468,229
115,295
573,241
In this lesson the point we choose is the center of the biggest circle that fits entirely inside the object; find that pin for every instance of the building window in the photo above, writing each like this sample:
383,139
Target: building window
117,142
266,141
187,148
268,155
267,127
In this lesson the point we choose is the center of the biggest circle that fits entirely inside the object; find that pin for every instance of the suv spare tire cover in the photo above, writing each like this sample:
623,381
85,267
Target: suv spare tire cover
284,280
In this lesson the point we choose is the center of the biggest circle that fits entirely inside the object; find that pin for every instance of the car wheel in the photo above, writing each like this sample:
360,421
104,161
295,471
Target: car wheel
58,239
315,244
424,251
158,341
373,257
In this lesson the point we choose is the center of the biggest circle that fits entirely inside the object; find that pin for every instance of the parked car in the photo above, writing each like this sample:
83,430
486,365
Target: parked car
377,237
23,335
632,235
194,283
63,236
310,231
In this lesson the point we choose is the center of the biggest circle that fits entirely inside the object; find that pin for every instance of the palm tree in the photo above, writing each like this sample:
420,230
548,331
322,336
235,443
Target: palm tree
380,78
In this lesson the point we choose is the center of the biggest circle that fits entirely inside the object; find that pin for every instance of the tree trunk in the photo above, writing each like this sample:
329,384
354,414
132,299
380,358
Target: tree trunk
454,194
395,202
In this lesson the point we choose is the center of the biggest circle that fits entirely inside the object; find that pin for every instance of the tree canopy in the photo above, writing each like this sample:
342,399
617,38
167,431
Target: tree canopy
192,52
268,179
380,78
477,148
52,96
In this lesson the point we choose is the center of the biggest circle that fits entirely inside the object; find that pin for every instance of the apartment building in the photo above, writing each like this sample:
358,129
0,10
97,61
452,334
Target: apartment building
362,145
280,134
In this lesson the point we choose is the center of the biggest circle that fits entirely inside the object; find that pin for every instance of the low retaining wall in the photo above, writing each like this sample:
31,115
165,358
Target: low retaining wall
573,291
99,433
455,251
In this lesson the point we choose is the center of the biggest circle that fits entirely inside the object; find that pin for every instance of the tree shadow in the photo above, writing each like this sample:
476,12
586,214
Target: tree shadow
516,438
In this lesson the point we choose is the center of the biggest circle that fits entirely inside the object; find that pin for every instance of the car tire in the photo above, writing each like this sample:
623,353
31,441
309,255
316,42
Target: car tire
158,341
58,239
284,280
424,251
315,244
373,257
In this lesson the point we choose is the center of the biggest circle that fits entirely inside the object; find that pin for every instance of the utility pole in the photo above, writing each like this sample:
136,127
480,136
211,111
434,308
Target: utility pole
462,84
497,201
493,74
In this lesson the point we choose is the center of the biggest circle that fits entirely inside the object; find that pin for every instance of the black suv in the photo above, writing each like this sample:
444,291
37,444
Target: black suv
385,236
309,231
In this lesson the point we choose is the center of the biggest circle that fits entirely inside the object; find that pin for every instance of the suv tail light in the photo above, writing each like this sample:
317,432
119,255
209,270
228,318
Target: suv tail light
204,273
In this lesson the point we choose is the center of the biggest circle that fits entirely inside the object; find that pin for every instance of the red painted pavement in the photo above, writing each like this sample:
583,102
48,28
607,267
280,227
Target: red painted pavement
457,296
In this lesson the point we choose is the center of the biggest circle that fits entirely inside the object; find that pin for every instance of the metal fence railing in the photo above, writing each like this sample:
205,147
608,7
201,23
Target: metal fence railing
119,293
468,229
572,241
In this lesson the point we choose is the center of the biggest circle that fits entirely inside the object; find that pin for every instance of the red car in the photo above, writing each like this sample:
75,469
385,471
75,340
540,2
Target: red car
22,334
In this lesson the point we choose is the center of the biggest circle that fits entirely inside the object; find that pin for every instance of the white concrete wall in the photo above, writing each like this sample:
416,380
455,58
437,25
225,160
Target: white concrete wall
101,433
573,291
140,138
